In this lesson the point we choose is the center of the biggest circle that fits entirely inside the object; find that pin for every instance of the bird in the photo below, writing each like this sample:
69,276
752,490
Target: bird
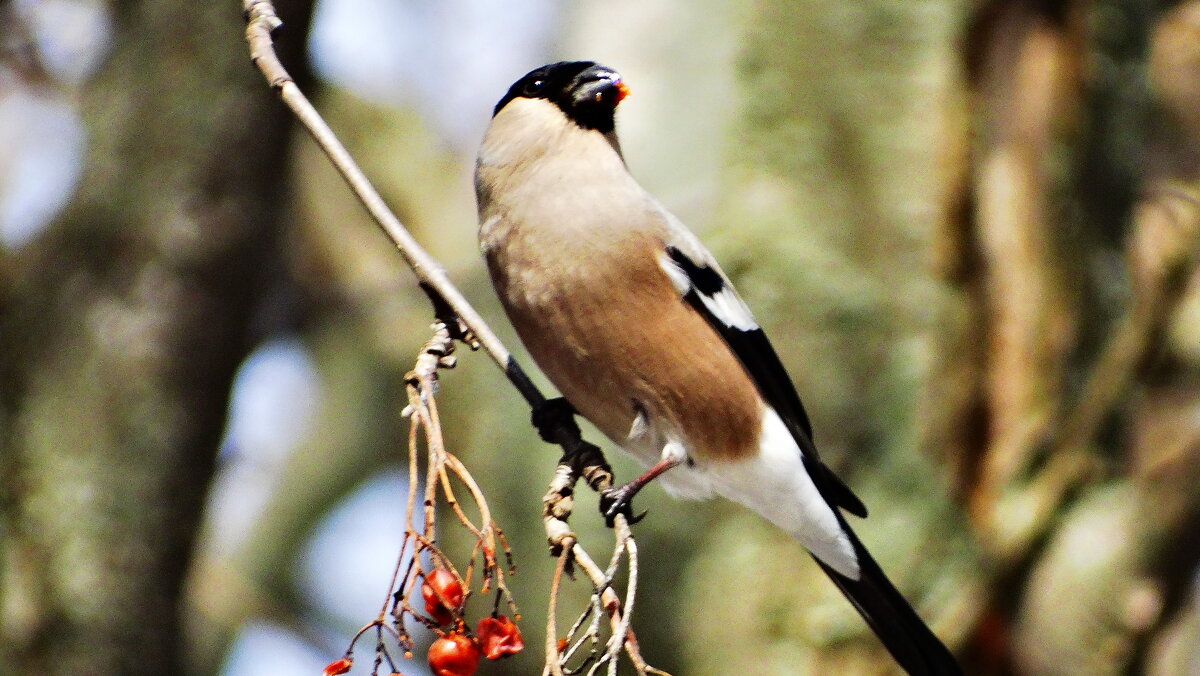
634,322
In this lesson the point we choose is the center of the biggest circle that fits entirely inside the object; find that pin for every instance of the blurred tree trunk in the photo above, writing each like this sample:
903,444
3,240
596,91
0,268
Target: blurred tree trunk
1042,156
1023,69
1071,417
121,329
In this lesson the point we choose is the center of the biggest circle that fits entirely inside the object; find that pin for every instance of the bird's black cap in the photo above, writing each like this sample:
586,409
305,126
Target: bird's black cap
586,92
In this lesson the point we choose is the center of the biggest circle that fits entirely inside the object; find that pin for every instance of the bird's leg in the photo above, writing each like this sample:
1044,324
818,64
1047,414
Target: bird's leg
619,500
553,418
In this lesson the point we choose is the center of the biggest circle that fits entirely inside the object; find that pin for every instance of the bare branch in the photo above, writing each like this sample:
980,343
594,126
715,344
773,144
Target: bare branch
261,20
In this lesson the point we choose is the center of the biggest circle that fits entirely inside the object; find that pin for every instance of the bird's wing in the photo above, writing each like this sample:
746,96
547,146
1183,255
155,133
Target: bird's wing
702,284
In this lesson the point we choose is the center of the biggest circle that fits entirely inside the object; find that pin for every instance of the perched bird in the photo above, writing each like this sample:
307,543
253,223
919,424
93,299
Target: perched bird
634,322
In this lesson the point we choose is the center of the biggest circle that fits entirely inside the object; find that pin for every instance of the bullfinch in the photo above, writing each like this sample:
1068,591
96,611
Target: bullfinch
631,318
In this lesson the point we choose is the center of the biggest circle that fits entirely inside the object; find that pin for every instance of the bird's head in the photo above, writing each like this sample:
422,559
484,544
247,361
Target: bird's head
586,92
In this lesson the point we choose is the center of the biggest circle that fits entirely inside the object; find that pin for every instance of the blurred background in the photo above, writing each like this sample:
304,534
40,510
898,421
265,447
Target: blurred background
971,227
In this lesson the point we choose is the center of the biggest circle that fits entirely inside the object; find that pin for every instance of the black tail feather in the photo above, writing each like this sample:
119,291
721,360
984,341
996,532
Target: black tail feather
891,617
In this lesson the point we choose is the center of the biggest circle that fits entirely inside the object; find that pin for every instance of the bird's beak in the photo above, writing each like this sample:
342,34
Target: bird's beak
622,91
600,85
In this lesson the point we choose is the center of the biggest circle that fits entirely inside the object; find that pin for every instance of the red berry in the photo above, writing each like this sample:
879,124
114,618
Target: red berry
499,637
439,613
338,667
443,595
454,655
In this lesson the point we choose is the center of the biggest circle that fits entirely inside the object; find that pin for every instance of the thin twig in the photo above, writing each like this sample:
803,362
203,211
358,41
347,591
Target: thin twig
260,21
553,665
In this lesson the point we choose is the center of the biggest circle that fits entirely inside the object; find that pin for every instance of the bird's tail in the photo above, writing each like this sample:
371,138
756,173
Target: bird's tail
891,617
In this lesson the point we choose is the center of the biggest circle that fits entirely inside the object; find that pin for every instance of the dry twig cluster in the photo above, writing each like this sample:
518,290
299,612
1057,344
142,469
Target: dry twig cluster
426,567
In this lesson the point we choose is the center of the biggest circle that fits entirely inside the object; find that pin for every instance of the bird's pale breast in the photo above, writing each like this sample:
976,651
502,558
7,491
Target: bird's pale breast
604,323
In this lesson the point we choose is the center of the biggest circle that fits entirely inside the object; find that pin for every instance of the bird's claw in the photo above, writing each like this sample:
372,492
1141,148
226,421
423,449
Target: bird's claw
619,500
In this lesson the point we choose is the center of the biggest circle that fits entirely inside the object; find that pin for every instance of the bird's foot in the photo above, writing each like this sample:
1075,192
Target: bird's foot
619,500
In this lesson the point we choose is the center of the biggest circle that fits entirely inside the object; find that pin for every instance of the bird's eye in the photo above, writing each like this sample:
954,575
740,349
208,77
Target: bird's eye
533,87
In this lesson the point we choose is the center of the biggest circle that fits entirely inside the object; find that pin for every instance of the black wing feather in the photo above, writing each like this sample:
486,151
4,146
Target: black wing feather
751,347
758,356
884,608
